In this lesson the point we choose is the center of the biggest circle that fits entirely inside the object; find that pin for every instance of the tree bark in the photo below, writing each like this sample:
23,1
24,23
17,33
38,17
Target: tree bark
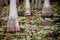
36,4
5,2
13,25
1,2
39,4
27,8
47,10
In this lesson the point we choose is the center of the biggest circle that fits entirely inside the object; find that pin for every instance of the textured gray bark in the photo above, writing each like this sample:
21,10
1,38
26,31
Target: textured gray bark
36,4
5,2
27,8
1,2
47,10
33,2
13,24
39,4
17,1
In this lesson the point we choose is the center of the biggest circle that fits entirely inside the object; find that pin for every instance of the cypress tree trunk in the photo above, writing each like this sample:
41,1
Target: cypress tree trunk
33,2
13,25
17,2
47,10
1,2
21,1
39,4
27,8
36,4
5,2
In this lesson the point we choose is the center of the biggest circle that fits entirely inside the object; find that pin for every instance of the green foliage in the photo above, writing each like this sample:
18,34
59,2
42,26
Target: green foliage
31,5
0,8
56,8
34,38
